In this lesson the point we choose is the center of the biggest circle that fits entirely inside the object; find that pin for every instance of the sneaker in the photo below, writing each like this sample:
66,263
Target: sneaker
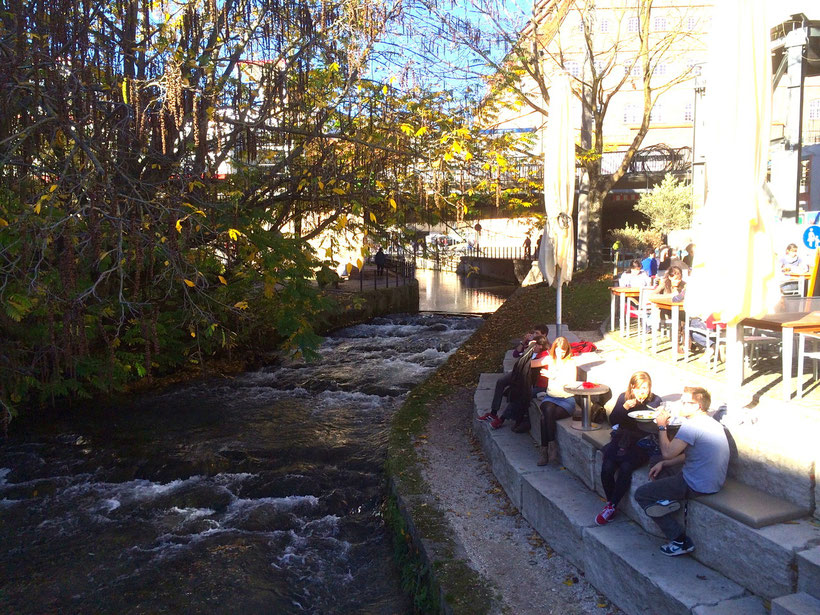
678,548
496,422
522,427
661,508
605,515
486,417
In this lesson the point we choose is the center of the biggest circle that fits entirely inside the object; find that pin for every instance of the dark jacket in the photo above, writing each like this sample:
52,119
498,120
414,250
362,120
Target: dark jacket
628,432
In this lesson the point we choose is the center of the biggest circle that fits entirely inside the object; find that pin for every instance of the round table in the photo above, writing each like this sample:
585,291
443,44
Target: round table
586,393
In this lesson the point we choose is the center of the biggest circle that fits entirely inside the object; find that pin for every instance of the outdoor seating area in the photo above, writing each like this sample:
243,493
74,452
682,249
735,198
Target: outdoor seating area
768,342
757,538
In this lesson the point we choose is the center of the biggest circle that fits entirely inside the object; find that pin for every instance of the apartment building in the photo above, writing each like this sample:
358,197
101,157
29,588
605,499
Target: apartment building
598,44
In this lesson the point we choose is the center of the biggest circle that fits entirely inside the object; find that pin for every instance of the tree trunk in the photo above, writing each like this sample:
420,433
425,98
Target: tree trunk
596,207
582,236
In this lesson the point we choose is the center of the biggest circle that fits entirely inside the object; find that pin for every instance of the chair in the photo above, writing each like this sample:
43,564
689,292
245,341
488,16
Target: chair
813,354
753,342
644,314
713,339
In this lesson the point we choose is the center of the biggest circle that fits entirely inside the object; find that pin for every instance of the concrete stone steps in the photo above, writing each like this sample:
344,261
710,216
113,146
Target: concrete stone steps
622,559
808,572
735,549
796,604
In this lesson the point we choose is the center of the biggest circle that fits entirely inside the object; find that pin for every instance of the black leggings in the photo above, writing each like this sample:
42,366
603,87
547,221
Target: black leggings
615,487
550,414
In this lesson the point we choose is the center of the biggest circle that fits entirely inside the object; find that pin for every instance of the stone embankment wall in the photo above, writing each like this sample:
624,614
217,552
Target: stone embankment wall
500,269
361,306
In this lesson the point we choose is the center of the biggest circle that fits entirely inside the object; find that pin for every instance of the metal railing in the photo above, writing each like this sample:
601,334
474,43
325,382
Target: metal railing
400,269
502,252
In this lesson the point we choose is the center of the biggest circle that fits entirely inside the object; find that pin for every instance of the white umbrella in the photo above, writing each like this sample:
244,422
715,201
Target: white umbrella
557,257
734,271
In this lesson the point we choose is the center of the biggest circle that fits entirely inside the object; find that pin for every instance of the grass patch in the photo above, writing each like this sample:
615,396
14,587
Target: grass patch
585,305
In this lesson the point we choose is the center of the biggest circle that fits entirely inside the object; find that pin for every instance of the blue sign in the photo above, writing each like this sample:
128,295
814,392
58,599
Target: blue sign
811,237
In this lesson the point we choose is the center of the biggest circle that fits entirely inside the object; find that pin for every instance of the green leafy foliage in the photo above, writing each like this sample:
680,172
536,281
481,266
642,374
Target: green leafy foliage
668,206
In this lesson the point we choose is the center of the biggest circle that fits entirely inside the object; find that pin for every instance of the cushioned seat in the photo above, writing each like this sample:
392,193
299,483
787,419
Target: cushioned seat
751,506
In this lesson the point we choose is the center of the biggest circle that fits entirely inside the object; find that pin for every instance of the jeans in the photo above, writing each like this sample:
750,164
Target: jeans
668,488
500,386
617,469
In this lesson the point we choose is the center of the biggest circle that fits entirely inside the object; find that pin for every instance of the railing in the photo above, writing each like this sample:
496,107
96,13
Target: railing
503,252
396,267
654,160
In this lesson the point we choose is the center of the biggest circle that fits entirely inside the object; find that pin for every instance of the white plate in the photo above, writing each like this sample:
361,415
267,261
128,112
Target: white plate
643,415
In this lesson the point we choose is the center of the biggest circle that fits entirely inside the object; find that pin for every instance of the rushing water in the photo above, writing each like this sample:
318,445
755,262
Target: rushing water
256,494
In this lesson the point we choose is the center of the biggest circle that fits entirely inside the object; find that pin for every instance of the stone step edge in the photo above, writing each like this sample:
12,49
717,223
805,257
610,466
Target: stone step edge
507,473
645,561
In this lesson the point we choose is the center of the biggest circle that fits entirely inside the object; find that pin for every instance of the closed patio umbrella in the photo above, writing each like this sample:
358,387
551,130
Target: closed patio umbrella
734,270
557,257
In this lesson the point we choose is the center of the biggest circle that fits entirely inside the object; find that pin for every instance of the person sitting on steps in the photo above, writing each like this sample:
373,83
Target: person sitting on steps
557,404
623,455
528,337
703,449
516,384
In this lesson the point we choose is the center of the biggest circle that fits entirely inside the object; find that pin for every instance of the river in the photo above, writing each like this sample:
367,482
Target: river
260,493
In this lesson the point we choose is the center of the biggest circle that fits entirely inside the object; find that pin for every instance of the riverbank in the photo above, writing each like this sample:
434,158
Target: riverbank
447,573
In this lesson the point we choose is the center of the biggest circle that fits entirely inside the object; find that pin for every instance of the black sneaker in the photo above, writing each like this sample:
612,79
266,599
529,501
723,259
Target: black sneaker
661,508
678,548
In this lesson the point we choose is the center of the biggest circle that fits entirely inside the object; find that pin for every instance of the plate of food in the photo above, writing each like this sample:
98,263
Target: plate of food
643,415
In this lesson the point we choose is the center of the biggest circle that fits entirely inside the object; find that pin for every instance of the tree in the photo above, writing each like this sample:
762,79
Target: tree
162,165
636,56
668,206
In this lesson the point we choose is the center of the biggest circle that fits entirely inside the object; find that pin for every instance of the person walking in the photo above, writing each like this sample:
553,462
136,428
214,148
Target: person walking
380,259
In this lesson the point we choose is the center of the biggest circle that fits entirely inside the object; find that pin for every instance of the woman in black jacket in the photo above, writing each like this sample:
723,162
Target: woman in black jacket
623,455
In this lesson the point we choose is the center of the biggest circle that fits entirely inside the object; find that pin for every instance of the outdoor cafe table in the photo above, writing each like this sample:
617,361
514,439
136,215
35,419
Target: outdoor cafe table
788,323
624,294
598,389
665,302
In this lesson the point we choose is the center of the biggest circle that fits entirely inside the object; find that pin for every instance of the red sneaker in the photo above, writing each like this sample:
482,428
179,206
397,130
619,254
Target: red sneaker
605,515
496,422
486,417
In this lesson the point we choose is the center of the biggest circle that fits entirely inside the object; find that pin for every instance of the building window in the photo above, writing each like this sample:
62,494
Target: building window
656,116
600,66
688,113
659,23
632,114
660,70
573,68
632,25
604,25
814,109
691,23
